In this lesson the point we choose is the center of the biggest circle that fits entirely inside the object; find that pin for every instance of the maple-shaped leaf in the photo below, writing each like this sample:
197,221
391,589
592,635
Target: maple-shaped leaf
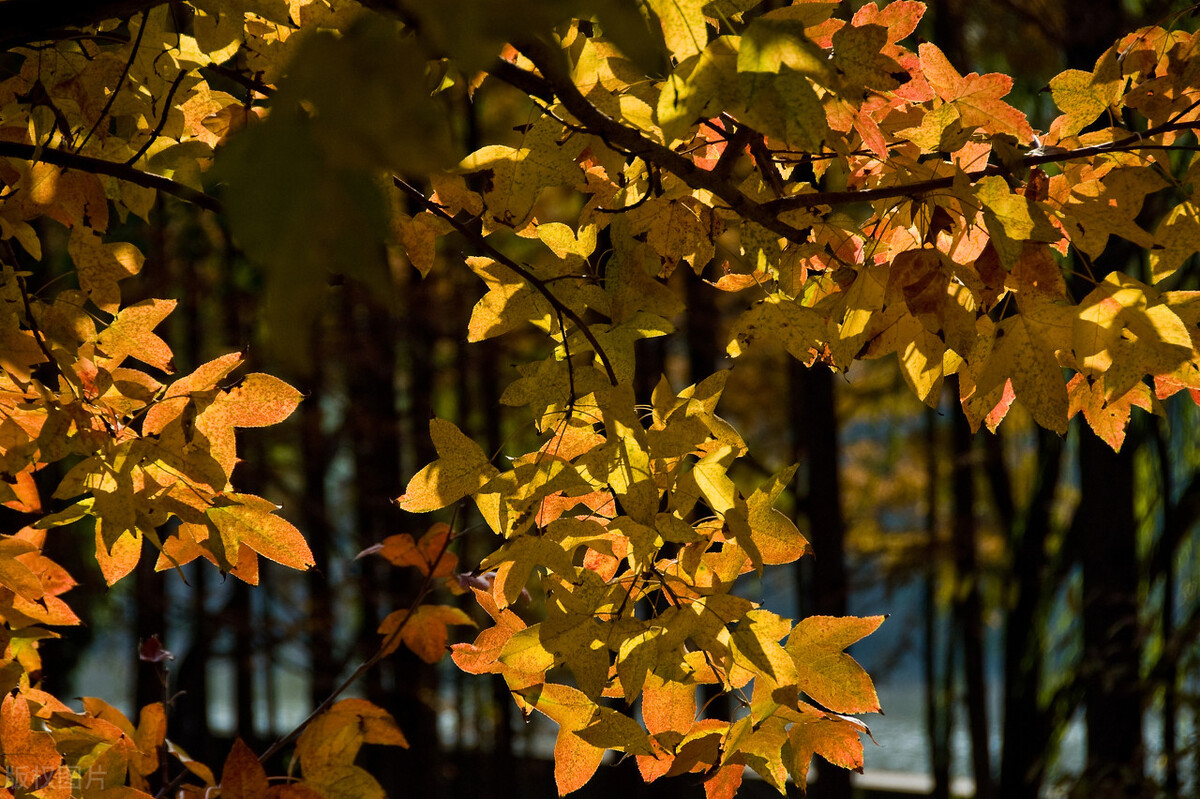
334,738
835,738
977,97
1024,352
1124,332
189,390
1084,96
776,319
1107,418
422,630
461,469
824,671
100,266
429,555
29,755
575,760
1098,208
515,176
250,520
131,333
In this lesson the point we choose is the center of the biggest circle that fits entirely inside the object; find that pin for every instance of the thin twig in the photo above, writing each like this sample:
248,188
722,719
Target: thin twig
162,120
533,280
112,98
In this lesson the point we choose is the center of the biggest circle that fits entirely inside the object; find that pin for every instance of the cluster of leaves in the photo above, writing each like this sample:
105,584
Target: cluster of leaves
869,198
638,599
85,382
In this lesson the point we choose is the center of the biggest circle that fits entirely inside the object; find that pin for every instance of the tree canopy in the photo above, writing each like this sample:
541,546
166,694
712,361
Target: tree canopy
854,193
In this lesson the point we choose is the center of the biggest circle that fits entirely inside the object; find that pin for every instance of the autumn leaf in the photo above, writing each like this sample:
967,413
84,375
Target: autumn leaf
333,738
250,520
824,671
460,469
422,630
131,334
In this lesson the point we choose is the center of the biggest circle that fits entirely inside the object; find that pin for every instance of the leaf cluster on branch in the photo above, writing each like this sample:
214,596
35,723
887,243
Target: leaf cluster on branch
865,197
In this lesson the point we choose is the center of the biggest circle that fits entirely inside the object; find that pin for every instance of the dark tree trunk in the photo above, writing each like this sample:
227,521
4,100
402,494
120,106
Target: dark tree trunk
968,605
939,709
1026,729
1110,678
826,587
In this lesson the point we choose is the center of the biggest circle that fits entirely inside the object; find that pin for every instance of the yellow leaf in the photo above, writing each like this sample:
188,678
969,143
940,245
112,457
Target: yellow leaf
461,469
824,671
250,520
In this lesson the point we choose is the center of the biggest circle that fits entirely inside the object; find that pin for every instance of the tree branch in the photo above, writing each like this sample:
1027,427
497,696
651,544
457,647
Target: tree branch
25,21
99,166
533,280
632,141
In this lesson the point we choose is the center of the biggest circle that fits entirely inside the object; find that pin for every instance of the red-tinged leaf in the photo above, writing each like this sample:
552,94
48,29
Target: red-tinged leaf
131,333
423,630
1107,418
824,671
668,706
242,777
30,757
152,651
481,656
250,520
977,97
186,389
430,555
900,17
26,492
724,782
575,761
257,401
835,738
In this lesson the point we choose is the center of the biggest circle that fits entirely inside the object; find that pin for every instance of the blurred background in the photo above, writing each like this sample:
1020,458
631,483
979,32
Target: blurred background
1042,591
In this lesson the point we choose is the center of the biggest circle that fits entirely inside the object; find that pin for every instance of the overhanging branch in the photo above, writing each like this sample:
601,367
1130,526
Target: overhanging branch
25,21
84,163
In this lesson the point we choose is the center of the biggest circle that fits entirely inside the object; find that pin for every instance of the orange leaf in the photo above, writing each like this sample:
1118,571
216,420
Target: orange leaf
243,777
575,761
30,757
724,783
423,630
